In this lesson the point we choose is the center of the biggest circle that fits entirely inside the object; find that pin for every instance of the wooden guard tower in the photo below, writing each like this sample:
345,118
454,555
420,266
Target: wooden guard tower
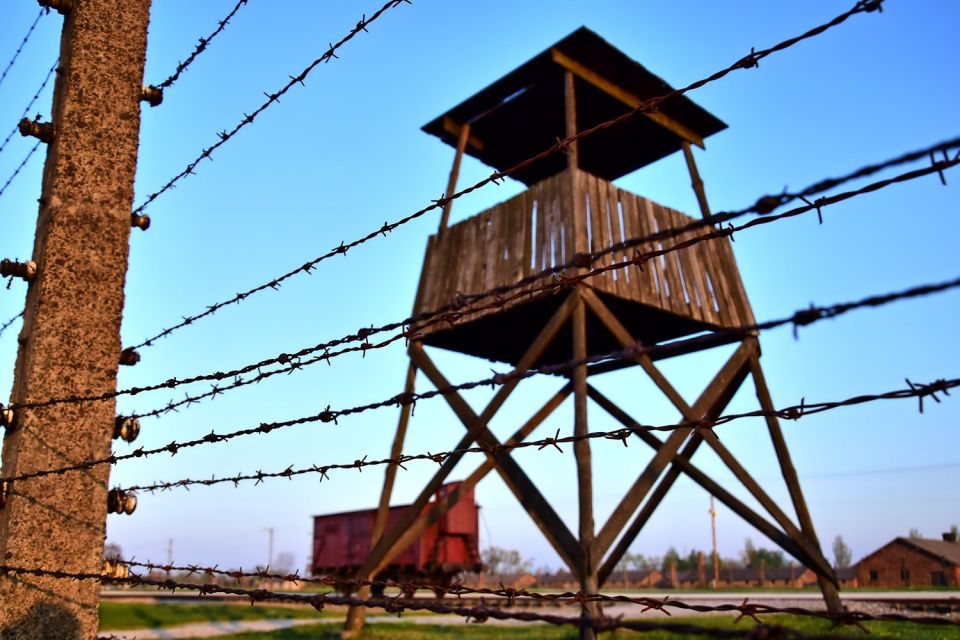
571,207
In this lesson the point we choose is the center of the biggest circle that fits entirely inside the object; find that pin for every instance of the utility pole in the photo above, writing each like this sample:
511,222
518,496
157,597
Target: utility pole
269,531
169,551
70,342
713,532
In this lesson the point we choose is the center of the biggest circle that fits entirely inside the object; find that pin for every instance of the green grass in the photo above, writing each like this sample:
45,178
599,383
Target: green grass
407,631
115,616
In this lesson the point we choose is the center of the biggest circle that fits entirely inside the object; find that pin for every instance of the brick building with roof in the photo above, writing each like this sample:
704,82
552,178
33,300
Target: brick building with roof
912,562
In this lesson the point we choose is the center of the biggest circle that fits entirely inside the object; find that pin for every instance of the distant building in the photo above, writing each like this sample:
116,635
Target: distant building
789,577
847,576
912,562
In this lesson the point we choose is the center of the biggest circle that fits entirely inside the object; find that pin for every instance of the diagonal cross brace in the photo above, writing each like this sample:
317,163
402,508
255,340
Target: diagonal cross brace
383,549
549,522
713,400
436,511
683,463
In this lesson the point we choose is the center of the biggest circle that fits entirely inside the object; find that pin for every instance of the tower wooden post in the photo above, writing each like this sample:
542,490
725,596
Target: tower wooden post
70,342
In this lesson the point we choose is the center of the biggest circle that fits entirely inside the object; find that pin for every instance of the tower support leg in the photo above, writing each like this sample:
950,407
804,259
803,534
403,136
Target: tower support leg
828,584
356,616
589,583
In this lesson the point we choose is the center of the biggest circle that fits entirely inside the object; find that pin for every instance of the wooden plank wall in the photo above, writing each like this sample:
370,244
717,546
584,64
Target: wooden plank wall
536,230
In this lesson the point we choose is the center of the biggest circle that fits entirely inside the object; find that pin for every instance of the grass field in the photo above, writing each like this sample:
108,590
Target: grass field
115,616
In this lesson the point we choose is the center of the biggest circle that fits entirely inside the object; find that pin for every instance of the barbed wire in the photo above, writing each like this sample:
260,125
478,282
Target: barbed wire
800,318
16,54
565,598
463,305
9,322
764,205
479,614
36,96
328,55
560,146
793,413
20,167
200,48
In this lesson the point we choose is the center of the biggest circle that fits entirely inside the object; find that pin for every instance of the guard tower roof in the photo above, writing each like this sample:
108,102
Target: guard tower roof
522,113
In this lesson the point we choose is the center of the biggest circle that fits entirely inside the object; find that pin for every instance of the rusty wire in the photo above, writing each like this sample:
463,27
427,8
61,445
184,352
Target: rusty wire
23,43
565,598
20,167
9,322
794,412
398,605
560,146
200,48
464,304
328,55
36,96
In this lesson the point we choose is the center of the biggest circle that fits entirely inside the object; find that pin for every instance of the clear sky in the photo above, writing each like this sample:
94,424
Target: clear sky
338,157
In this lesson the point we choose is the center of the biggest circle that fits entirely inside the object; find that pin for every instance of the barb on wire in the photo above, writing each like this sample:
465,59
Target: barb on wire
476,614
646,106
788,413
36,96
9,322
467,304
16,54
327,56
200,48
564,598
20,167
621,435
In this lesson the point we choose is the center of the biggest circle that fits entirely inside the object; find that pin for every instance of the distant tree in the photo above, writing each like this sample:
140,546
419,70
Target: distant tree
771,559
632,562
842,555
112,551
915,534
284,563
670,557
499,560
752,556
955,532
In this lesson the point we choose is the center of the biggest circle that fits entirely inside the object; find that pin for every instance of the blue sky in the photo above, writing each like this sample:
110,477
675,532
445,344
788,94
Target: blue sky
338,157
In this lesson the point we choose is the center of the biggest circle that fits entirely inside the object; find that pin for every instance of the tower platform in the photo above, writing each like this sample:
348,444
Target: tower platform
681,293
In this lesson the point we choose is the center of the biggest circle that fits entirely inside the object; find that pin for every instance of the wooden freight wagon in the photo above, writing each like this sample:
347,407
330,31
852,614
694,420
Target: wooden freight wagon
341,543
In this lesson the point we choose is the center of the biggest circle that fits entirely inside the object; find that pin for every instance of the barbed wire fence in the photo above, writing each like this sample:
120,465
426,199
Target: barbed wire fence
23,43
579,268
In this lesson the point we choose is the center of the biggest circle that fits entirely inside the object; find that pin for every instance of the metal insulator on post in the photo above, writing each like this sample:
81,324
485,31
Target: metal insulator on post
129,357
120,501
126,428
140,221
63,7
7,417
11,268
152,95
43,131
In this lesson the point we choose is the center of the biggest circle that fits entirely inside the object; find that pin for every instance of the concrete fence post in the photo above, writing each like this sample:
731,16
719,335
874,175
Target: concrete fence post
70,342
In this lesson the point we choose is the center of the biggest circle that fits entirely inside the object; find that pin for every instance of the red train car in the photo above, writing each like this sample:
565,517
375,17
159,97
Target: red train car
341,542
